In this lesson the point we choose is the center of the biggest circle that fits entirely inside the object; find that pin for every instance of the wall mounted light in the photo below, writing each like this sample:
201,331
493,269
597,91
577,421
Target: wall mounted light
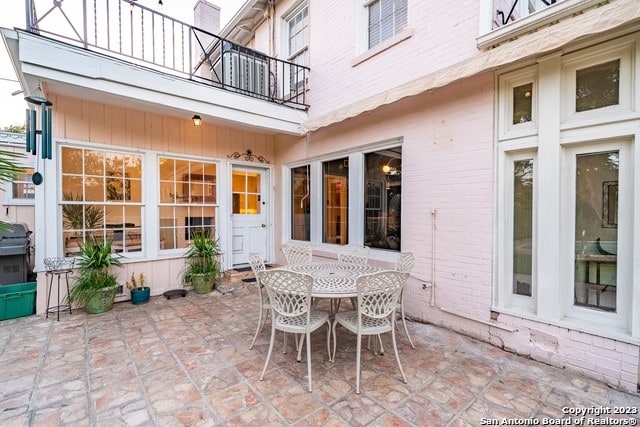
390,170
197,120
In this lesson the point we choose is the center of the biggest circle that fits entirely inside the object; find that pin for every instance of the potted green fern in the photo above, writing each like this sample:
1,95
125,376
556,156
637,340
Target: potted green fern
203,262
95,285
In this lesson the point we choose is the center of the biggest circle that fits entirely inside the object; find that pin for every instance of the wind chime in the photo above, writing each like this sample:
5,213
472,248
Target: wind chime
37,100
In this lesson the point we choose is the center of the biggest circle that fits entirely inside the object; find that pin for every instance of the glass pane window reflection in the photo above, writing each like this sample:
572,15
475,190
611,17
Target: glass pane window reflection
596,232
598,86
382,204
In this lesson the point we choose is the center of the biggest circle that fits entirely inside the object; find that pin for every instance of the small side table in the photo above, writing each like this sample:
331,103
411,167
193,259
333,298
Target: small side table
58,267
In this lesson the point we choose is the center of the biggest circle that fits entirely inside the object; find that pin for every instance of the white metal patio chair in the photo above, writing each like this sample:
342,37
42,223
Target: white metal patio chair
404,264
378,295
297,254
290,297
354,254
257,265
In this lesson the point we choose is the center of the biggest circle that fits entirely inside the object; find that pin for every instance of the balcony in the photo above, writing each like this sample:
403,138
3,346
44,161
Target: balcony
131,32
511,19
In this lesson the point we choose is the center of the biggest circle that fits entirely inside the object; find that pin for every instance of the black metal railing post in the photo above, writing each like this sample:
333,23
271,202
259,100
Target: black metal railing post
187,52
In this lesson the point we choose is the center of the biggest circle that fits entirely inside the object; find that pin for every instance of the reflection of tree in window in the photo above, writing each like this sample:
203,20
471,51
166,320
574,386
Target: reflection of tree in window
598,86
522,226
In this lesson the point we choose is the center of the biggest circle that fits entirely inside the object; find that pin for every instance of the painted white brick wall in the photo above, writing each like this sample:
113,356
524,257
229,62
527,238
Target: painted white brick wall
448,155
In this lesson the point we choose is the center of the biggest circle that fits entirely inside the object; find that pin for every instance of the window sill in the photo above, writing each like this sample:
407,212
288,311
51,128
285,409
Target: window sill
573,324
398,38
20,202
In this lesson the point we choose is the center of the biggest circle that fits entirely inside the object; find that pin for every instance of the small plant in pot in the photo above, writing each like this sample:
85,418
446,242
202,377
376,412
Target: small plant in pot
203,262
95,285
139,292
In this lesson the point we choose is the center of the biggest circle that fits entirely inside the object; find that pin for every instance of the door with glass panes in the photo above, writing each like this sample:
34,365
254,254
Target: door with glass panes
249,214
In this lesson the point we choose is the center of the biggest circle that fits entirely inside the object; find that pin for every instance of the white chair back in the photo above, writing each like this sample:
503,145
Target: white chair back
289,292
353,254
378,294
405,261
297,254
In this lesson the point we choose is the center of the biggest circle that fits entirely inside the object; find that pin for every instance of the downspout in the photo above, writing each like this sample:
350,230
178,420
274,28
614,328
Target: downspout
432,284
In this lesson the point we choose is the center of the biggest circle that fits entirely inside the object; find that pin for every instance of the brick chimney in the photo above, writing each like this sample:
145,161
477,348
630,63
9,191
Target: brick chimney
206,16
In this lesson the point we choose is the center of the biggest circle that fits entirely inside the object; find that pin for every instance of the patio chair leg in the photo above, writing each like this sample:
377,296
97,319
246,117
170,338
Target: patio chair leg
261,323
332,356
299,358
358,349
395,348
406,331
266,362
308,355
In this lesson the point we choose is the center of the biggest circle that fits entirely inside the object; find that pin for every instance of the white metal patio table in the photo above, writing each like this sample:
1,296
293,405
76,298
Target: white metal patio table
334,279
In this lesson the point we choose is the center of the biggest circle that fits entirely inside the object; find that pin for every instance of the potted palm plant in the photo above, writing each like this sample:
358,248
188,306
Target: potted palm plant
139,292
95,285
203,262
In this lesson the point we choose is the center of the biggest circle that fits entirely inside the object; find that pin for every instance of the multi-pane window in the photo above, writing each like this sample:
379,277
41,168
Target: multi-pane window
335,179
386,19
101,198
246,192
22,187
188,200
383,191
298,45
596,231
301,203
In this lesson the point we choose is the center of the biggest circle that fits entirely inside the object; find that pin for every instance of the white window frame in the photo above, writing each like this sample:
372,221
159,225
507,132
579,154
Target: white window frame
506,84
555,145
363,51
505,296
158,204
143,252
356,206
625,292
621,49
287,17
9,196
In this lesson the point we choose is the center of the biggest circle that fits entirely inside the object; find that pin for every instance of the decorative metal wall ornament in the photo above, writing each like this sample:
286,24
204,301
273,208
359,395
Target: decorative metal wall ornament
248,156
46,114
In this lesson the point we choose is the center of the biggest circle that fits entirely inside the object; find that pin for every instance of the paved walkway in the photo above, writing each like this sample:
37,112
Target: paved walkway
186,361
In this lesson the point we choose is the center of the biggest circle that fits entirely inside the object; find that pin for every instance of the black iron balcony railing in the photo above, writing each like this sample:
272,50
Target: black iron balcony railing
511,10
126,30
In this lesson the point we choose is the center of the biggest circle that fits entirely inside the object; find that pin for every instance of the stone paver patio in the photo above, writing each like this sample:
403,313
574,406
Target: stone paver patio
186,361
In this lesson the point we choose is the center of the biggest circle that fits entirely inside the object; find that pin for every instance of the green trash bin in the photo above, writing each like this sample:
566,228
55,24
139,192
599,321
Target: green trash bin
17,300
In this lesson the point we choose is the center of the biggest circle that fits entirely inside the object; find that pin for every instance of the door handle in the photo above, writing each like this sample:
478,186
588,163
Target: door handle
264,225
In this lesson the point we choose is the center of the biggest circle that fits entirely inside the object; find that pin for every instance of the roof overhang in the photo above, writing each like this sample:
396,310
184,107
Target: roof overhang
77,72
609,17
